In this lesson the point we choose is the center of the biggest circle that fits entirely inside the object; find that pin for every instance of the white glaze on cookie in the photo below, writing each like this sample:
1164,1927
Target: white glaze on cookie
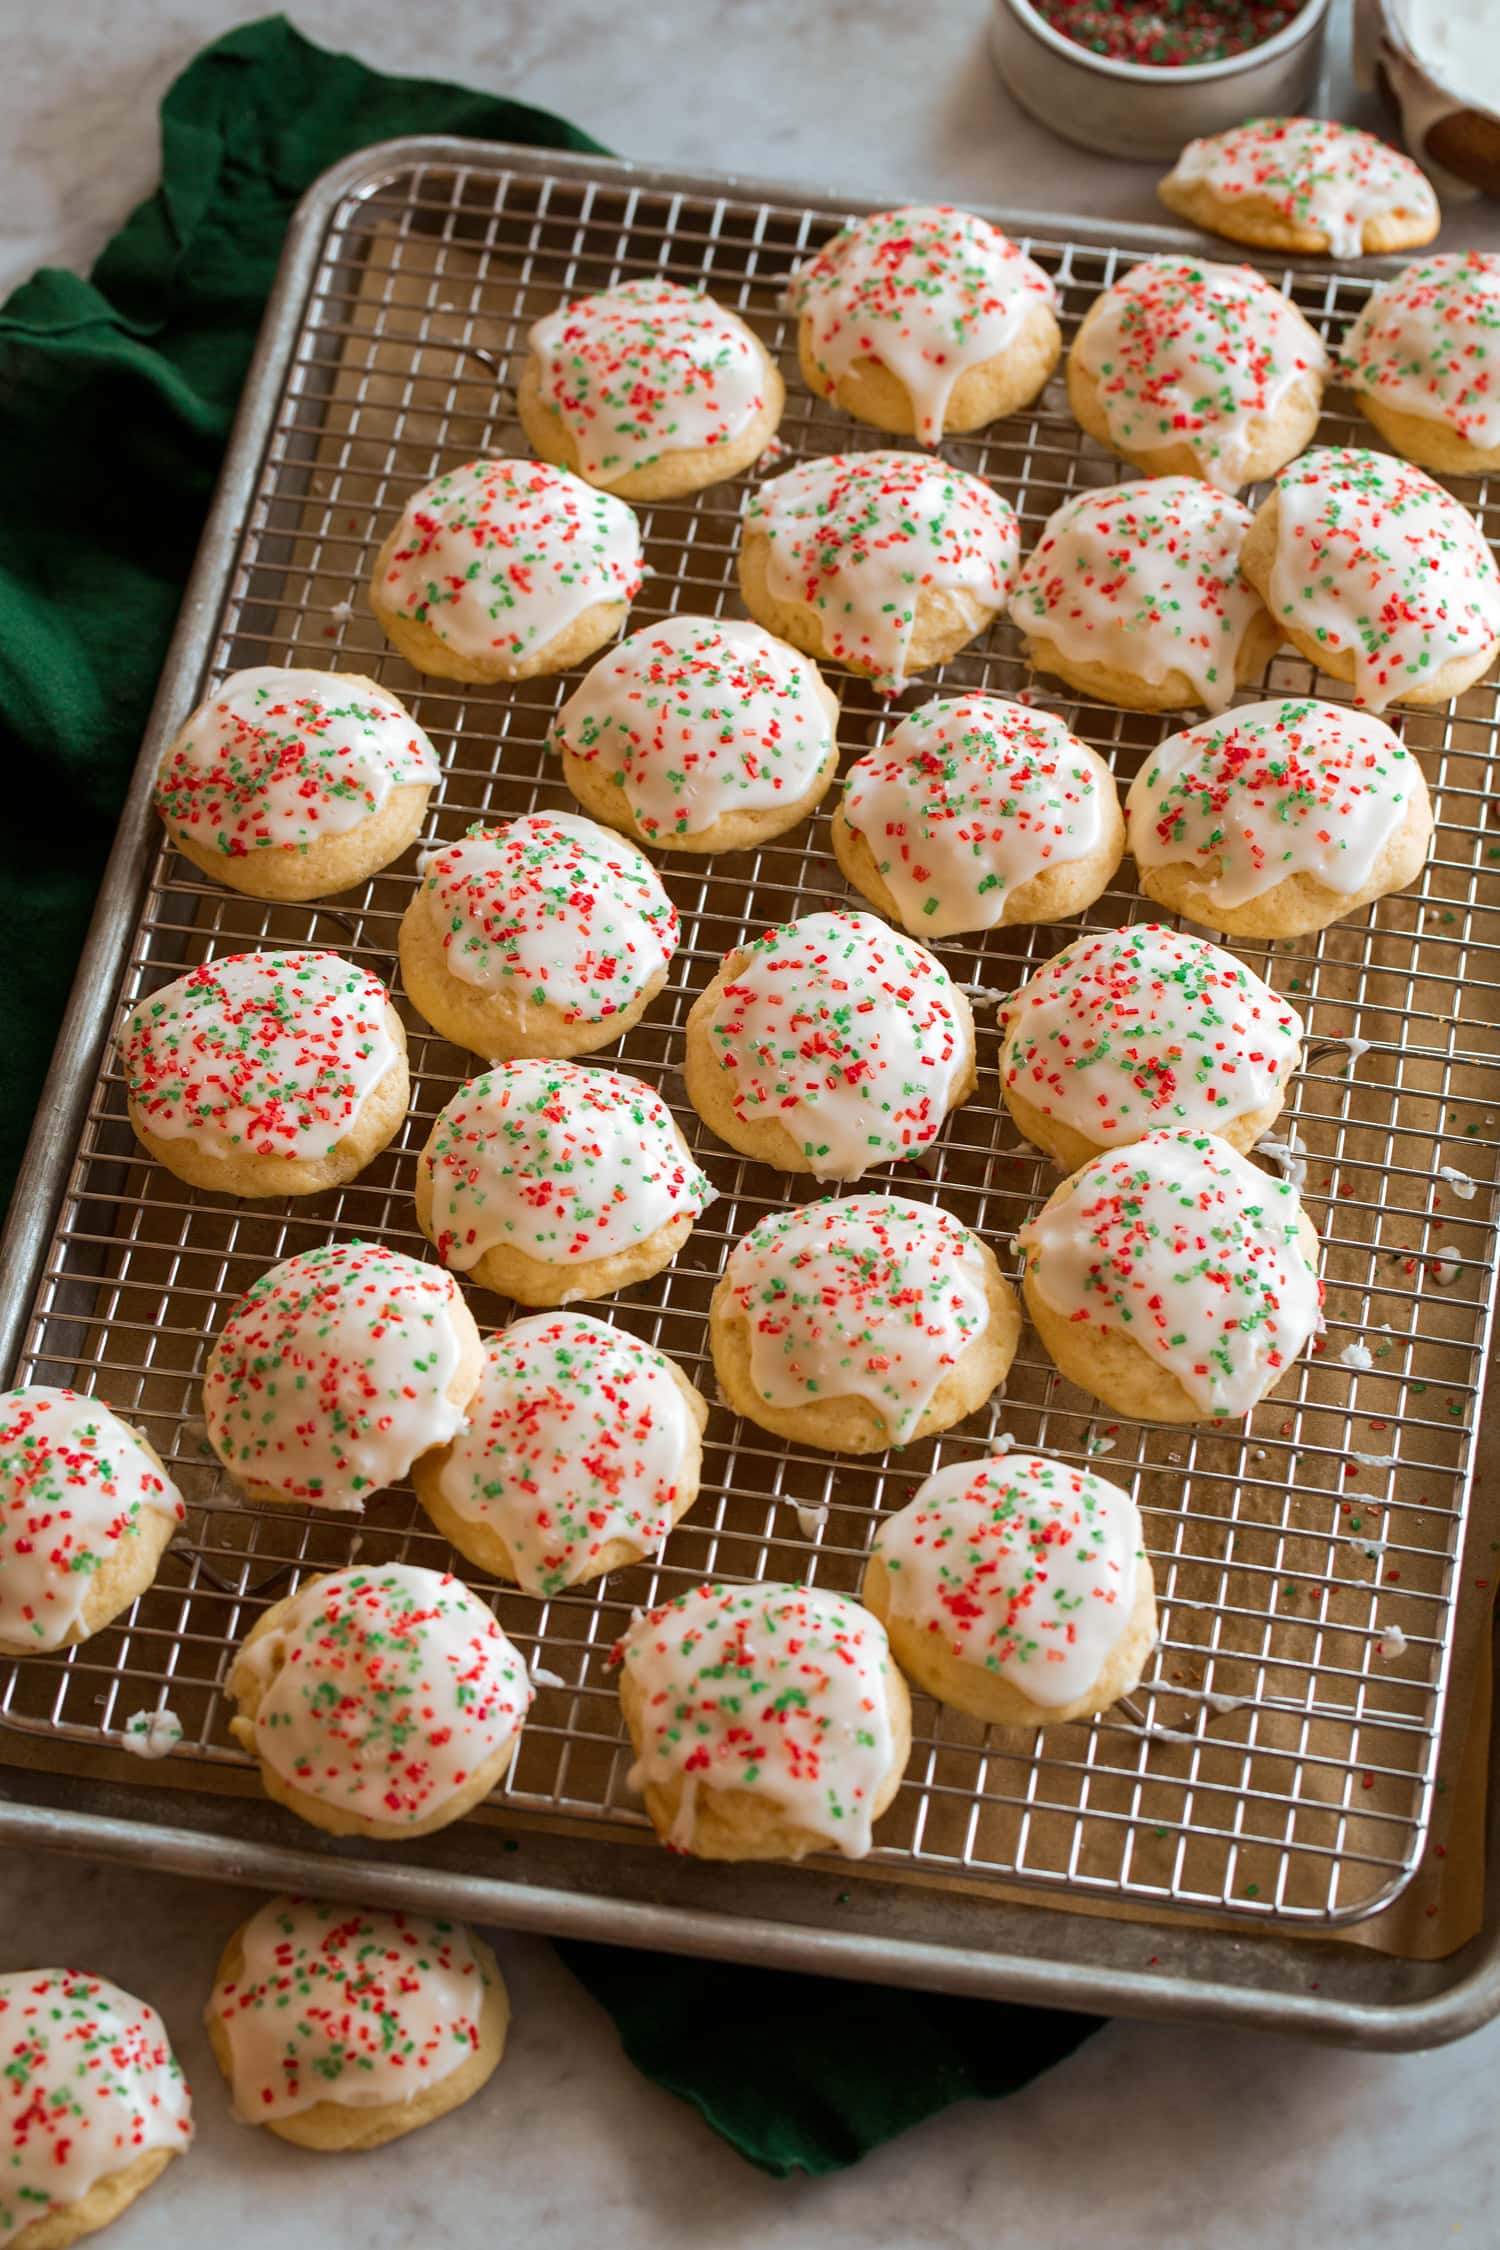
1428,343
969,798
1315,174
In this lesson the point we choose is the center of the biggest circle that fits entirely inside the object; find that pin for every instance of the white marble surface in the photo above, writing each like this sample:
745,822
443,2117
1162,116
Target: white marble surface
1147,2135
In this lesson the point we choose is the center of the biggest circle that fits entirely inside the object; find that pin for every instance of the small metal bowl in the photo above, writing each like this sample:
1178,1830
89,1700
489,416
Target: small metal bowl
1136,109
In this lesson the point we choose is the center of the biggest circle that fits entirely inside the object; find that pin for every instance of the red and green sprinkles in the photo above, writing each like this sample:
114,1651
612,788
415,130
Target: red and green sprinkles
1428,344
1170,34
1313,174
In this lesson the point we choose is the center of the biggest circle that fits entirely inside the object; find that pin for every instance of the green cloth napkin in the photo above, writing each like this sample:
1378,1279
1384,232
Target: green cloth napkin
117,395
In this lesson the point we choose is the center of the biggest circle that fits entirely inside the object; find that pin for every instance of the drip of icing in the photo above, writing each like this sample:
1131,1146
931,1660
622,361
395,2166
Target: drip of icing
151,1734
1144,578
1391,1646
75,1483
926,291
810,1521
863,1296
1289,1155
968,799
780,1691
1357,1047
564,1163
1428,342
848,1035
1463,1187
862,537
1357,1357
1314,174
1185,1249
542,1678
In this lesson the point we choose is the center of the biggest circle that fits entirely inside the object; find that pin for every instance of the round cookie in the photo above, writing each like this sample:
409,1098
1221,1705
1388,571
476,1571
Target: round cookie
550,1182
263,1074
649,390
829,1045
379,1702
861,1323
293,785
924,321
886,563
582,1448
1420,360
975,813
92,2100
1376,575
1187,368
829,1737
1303,183
1136,1031
501,570
1135,595
1279,818
1016,1589
344,2027
87,1510
549,936
700,734
336,1371
1172,1280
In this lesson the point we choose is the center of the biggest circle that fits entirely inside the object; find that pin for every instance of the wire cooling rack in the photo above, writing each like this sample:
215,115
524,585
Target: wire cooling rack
1278,1762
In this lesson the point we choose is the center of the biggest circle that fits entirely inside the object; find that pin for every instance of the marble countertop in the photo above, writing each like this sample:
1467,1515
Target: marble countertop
1147,2134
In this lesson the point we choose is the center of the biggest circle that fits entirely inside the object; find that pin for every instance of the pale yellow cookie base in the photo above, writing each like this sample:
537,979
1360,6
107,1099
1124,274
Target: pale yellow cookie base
333,864
1422,438
126,1574
502,1025
103,2204
427,651
1116,684
1069,1148
875,395
1254,219
946,619
672,475
1273,439
1057,894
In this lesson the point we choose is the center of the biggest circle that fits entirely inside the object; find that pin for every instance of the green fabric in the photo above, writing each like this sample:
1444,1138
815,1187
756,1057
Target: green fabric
116,396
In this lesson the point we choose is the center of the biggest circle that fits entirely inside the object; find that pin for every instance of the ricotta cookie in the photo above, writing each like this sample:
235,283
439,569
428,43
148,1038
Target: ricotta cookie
924,321
292,785
1278,819
87,1511
336,1371
344,2027
1134,1031
649,390
828,1046
975,813
382,1703
1187,368
1017,1590
1172,1280
886,563
1378,576
264,1074
501,570
549,1182
701,734
1420,360
861,1323
582,1448
93,2102
768,1721
1303,183
550,936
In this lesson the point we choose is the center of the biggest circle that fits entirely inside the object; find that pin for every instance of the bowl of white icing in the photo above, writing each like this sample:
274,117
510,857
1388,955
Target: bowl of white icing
1436,64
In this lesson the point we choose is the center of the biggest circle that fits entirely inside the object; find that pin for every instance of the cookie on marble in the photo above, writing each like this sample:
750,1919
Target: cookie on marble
1306,184
1420,361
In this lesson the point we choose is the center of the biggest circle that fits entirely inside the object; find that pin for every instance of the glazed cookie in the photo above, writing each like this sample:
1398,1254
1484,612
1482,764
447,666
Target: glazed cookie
1420,361
1303,183
886,563
1278,819
382,1703
1186,368
861,1323
700,734
582,1448
828,1046
1173,1280
550,936
975,813
1134,595
504,569
292,785
549,1182
1017,1590
1377,575
94,2103
343,2027
87,1511
264,1074
828,1732
1127,1032
336,1371
924,321
649,390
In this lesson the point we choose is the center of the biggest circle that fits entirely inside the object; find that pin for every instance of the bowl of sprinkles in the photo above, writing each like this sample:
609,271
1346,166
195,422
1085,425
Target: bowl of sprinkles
1140,80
